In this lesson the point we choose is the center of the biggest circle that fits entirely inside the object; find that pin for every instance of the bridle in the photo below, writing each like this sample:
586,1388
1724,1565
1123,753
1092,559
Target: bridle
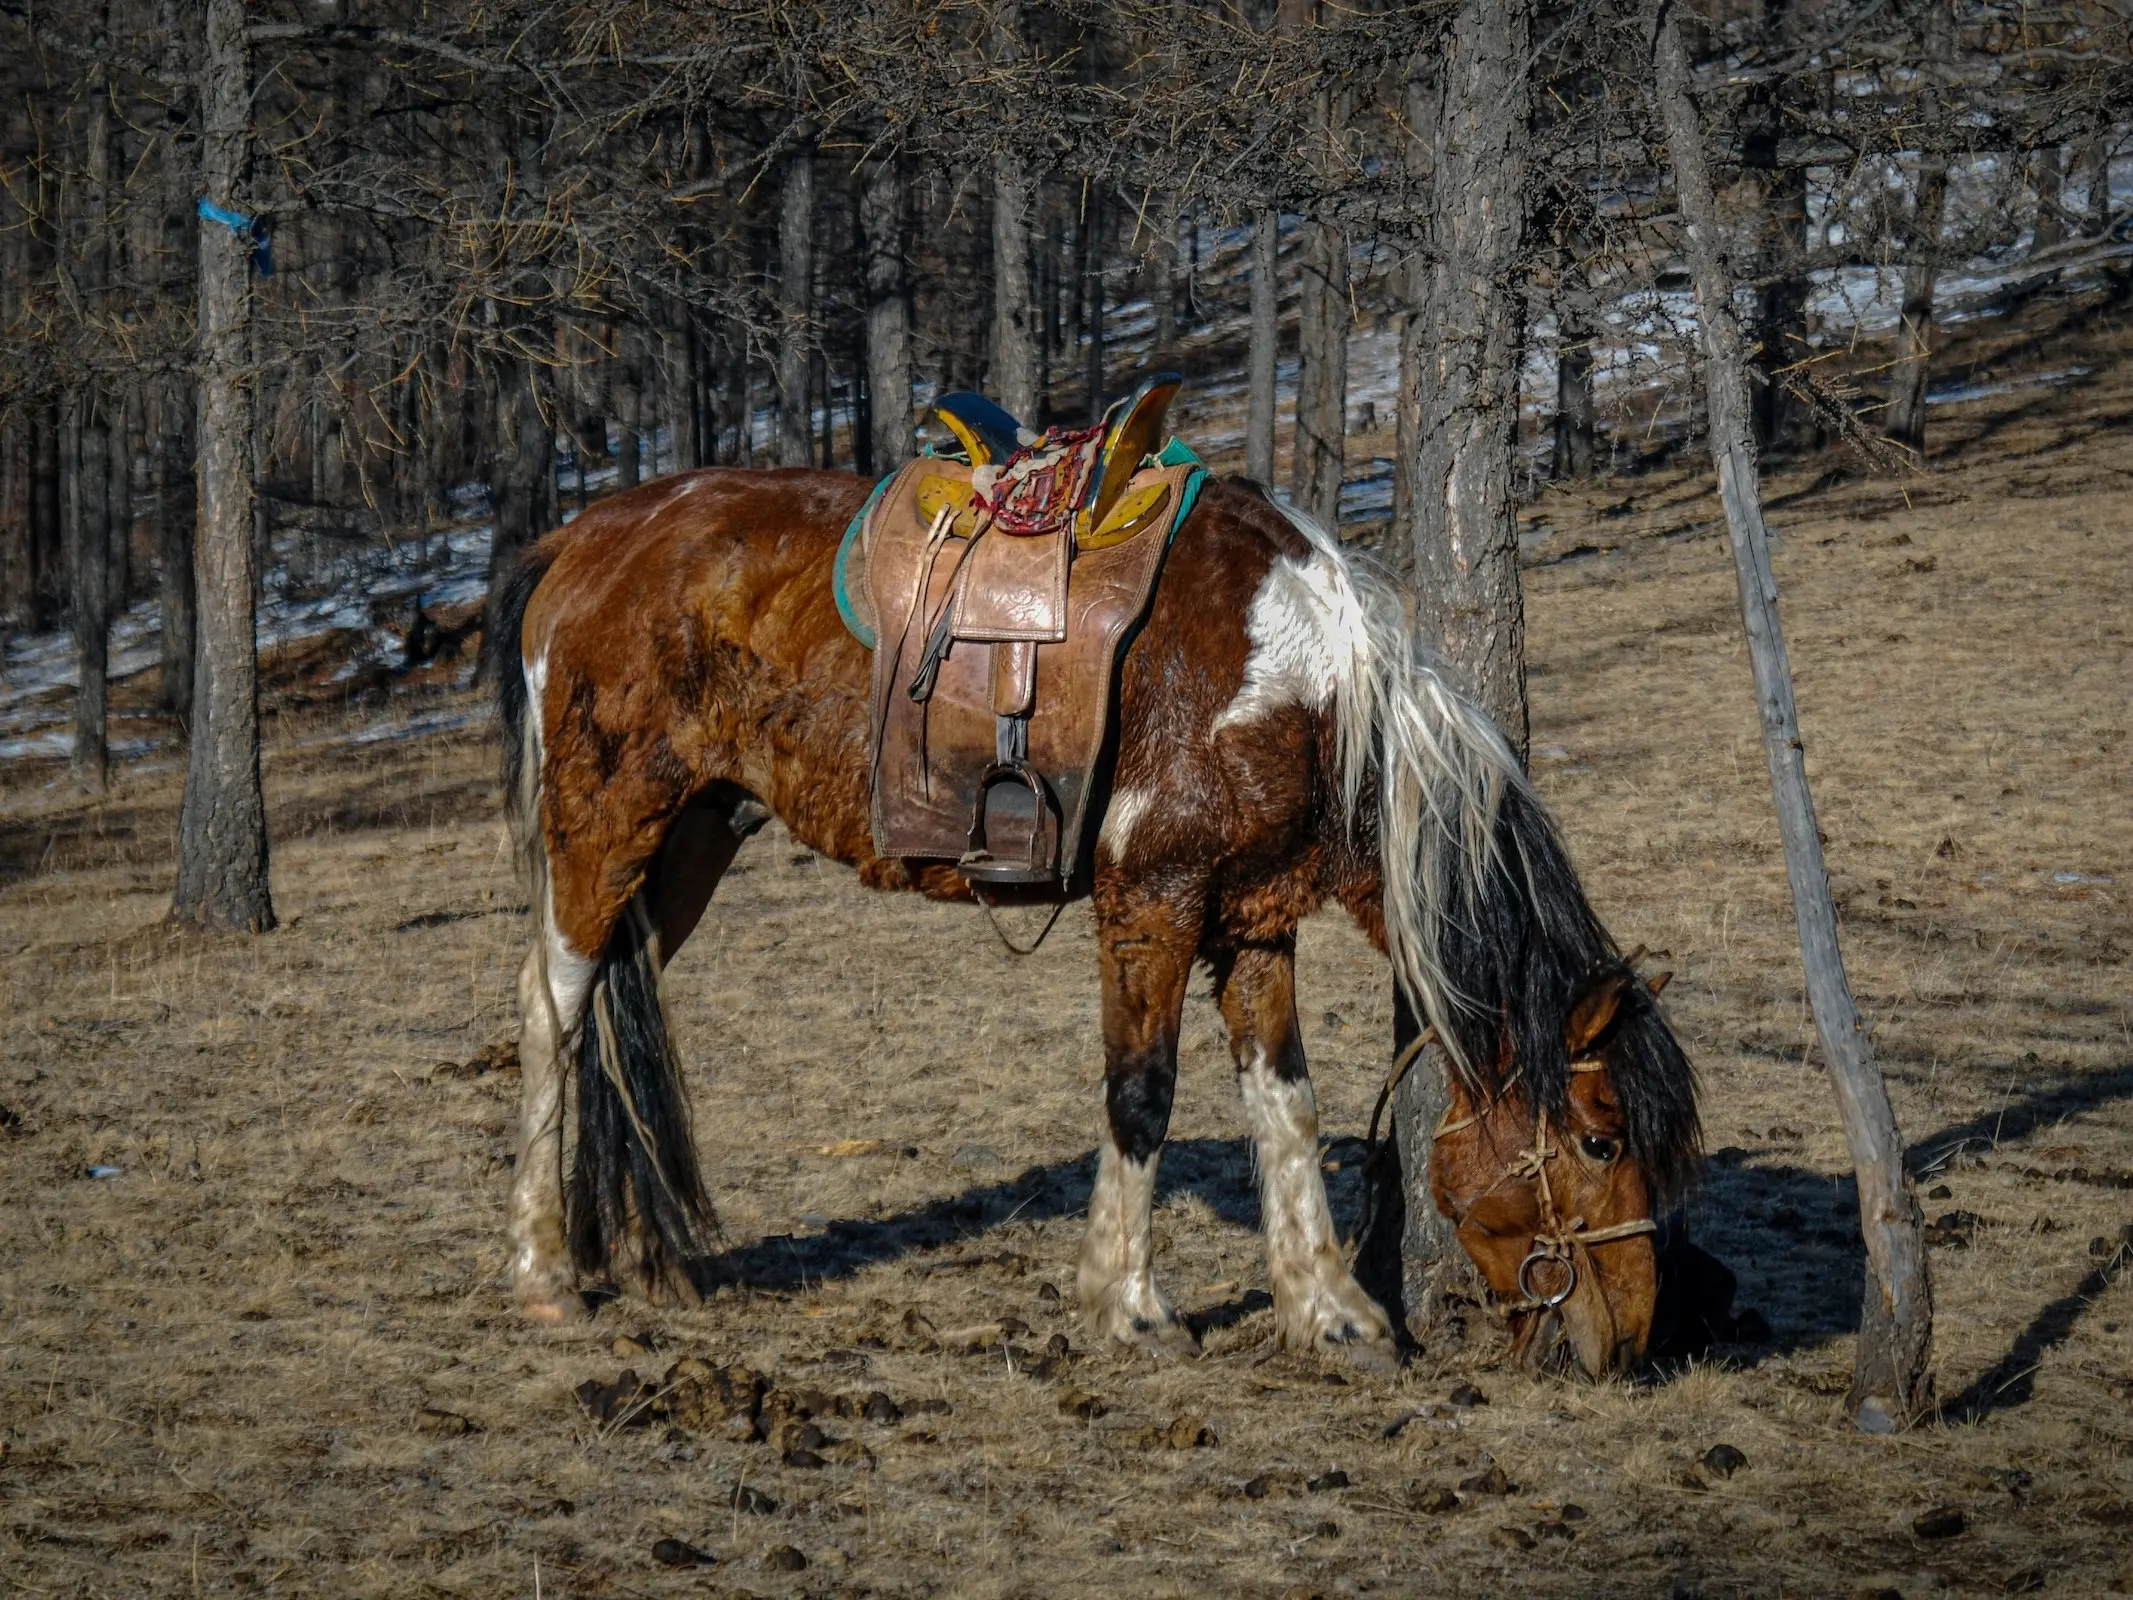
1559,1239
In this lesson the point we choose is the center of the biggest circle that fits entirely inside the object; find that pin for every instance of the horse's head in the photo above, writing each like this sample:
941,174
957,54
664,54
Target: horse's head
1556,1186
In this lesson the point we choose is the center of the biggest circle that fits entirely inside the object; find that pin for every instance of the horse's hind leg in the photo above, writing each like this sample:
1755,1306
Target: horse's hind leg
1317,1303
1147,951
699,846
553,984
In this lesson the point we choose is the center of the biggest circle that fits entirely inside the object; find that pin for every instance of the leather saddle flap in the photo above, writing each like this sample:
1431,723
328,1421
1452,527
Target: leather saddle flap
1014,590
1051,653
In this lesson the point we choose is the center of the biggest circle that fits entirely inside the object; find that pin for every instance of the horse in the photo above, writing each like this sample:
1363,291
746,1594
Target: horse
672,672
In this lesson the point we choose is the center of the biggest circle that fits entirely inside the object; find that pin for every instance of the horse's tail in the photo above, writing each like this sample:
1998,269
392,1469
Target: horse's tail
635,1175
503,662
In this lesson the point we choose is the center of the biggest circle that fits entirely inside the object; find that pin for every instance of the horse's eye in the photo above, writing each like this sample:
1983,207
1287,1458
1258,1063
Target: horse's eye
1598,1148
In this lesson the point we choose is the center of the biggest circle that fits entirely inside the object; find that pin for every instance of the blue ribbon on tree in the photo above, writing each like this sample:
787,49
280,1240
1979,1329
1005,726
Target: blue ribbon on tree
252,228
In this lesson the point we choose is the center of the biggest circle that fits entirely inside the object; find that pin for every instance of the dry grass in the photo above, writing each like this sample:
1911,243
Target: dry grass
211,1365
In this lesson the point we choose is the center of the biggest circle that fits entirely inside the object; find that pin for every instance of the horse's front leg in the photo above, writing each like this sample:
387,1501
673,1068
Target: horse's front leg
1147,944
1318,1305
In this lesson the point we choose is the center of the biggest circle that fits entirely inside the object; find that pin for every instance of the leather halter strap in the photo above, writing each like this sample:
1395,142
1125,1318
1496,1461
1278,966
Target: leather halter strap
1559,1239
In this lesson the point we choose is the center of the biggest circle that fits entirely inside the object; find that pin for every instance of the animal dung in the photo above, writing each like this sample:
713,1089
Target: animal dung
752,1500
1492,1482
1335,1479
1943,1522
1466,1396
675,1553
784,1558
1433,1498
1081,1406
1723,1460
1511,1538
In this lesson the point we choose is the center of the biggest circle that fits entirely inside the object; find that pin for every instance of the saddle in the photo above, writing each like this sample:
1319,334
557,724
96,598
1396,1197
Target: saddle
997,592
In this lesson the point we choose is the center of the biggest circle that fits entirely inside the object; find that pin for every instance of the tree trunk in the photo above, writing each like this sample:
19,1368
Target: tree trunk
888,332
1890,1384
1914,367
89,564
818,383
1929,204
518,500
2049,227
1162,267
682,387
1322,374
176,508
1781,310
2099,183
1573,398
222,824
796,283
1412,278
48,579
1014,332
738,411
1467,334
93,465
1092,288
625,410
1266,329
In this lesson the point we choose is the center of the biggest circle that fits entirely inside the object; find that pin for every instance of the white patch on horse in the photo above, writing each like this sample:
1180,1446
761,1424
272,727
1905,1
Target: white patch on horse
1121,817
1292,661
1116,1277
1316,1298
537,698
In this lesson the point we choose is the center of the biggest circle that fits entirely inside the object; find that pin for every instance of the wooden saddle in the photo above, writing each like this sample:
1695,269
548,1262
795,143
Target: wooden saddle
996,592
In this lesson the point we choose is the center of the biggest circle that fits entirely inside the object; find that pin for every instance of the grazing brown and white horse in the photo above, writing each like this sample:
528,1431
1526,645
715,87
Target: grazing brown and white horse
673,671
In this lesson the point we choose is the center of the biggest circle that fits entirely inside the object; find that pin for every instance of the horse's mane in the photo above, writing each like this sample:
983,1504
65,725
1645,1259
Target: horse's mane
1488,928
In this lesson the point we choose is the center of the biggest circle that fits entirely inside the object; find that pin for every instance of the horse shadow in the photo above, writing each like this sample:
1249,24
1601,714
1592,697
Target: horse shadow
1793,1232
1218,1171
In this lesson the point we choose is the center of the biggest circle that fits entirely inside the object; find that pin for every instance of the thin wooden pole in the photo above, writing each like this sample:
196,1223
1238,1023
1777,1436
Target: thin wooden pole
1890,1385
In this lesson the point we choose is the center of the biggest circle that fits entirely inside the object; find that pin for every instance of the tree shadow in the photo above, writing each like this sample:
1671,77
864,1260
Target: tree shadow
2012,1380
2021,1114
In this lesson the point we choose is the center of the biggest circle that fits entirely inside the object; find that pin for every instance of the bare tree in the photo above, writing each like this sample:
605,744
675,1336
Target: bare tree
1929,203
222,825
888,329
796,288
1889,1378
1466,335
1014,330
1265,330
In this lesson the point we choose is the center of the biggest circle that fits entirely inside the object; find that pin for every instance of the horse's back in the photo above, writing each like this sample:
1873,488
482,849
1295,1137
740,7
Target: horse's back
723,550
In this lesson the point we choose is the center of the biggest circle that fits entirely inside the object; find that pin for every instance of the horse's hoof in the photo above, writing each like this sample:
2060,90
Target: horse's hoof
1154,1329
555,1309
1367,1350
1347,1326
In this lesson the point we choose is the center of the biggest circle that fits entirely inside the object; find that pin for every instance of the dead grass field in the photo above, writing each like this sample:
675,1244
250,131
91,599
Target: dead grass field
235,1365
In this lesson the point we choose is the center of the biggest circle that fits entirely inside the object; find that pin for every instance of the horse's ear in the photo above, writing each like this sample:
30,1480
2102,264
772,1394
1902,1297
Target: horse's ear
1659,980
1595,1010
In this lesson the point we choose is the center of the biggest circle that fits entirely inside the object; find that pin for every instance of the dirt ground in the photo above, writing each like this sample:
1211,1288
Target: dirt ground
255,1335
